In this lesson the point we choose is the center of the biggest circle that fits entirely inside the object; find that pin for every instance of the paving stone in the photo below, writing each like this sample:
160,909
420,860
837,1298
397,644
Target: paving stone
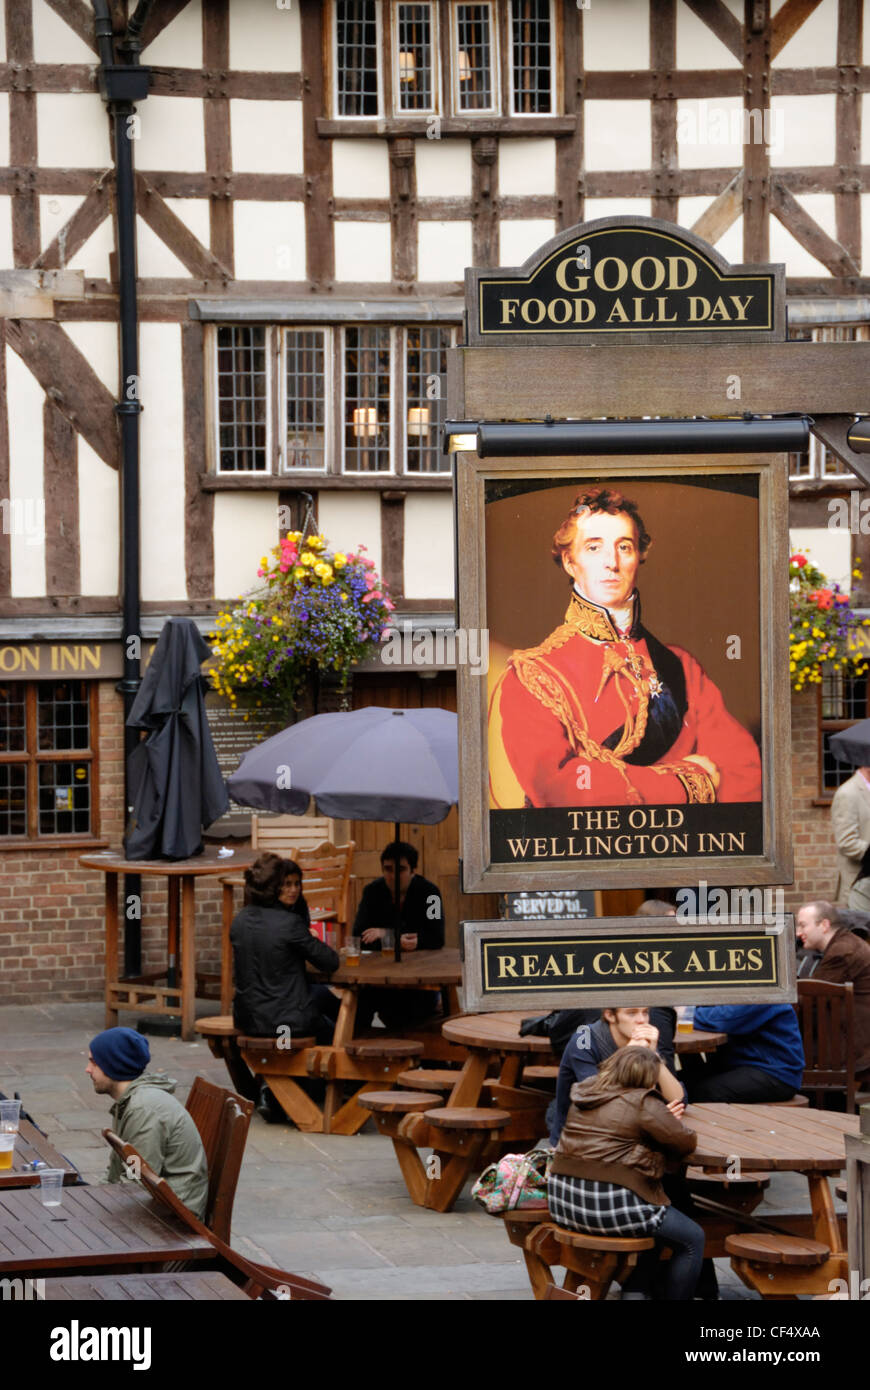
429,1281
317,1249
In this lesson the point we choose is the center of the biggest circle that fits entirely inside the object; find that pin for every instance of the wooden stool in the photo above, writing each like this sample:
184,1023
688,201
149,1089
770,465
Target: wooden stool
841,1190
459,1119
540,1076
796,1099
590,1262
372,1049
268,1047
738,1193
425,1079
396,1102
777,1266
222,1037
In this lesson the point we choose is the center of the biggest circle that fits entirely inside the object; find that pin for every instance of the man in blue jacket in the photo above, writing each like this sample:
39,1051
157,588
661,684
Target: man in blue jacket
762,1061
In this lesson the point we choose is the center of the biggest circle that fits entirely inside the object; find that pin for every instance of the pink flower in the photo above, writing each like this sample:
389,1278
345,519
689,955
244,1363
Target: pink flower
388,605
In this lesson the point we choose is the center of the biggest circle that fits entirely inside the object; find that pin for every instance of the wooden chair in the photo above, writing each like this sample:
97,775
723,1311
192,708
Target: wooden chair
290,835
326,878
826,1014
258,1281
205,1105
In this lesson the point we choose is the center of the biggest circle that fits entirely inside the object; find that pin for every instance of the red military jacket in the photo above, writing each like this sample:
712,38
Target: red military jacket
589,718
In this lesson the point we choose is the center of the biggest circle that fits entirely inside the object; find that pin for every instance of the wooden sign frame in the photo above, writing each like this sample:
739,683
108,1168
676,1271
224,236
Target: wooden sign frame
482,870
494,964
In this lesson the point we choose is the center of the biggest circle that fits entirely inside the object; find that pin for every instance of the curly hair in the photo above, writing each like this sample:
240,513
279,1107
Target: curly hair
598,499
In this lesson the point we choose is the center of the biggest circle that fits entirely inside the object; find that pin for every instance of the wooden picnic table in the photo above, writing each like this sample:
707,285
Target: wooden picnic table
201,1286
100,1229
435,970
698,1041
777,1138
30,1145
143,993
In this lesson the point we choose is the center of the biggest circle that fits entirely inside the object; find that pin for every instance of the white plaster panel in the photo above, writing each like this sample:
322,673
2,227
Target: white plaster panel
6,256
829,550
526,166
518,240
808,130
98,342
784,247
193,212
815,43
244,529
172,134
153,256
865,233
444,168
2,33
93,257
443,250
162,466
616,35
867,31
617,135
429,545
179,45
73,130
616,207
54,41
363,251
730,243
270,240
55,210
25,399
710,133
265,37
361,168
4,129
266,136
349,520
822,208
99,527
698,46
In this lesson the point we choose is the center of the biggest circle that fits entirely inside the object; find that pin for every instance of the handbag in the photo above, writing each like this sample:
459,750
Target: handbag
517,1181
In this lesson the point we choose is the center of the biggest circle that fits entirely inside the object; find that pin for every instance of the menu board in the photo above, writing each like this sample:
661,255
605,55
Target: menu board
233,732
548,907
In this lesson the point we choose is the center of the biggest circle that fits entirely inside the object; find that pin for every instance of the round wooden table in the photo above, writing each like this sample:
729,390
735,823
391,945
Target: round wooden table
698,1042
144,993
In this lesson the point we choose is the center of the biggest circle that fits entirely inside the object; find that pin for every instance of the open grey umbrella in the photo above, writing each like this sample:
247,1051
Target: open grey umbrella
852,745
176,783
365,764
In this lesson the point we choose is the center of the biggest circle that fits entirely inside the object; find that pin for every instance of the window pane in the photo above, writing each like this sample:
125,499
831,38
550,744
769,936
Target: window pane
64,798
13,731
241,371
62,716
304,365
474,57
415,57
532,60
367,400
427,406
834,773
13,799
356,57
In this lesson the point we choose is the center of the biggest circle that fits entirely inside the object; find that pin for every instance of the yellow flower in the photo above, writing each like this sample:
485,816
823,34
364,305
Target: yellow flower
339,560
307,559
344,598
298,572
316,543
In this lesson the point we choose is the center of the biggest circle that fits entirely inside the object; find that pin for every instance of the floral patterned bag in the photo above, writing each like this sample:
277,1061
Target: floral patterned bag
517,1181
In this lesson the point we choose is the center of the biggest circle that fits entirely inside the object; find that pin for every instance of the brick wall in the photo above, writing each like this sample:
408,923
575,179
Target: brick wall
815,868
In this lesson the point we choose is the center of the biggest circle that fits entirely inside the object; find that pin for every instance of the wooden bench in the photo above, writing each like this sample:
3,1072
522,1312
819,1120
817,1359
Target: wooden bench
777,1266
795,1100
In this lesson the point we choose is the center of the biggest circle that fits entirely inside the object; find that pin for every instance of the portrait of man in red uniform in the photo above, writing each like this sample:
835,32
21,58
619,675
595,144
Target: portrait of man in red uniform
602,713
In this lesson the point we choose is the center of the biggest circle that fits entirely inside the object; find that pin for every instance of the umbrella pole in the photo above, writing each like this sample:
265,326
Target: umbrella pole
398,927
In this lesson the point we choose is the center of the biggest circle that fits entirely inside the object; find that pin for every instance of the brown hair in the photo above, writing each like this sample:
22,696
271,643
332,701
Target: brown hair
599,499
264,879
630,1068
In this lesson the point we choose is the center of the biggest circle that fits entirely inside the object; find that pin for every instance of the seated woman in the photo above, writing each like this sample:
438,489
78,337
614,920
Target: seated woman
271,944
290,892
606,1174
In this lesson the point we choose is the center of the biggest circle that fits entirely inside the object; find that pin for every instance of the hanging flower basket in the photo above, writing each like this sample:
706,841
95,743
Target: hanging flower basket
825,630
317,614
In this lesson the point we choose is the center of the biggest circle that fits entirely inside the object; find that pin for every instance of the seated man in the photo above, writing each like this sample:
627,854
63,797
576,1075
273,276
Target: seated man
763,1059
591,1043
147,1115
845,959
421,926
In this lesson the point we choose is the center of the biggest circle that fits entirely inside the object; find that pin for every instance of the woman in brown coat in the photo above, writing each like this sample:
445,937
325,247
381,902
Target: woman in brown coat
605,1177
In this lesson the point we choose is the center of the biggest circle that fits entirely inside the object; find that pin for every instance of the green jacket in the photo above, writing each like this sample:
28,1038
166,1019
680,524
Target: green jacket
157,1125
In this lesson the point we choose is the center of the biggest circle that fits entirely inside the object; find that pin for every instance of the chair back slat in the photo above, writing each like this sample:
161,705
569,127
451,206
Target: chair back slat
826,1014
228,1163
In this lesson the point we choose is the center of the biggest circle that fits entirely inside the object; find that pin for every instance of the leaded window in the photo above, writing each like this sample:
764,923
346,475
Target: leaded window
242,387
531,58
47,760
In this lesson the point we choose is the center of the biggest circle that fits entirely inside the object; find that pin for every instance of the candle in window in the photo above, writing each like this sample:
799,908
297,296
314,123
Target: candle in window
365,421
464,66
407,68
418,420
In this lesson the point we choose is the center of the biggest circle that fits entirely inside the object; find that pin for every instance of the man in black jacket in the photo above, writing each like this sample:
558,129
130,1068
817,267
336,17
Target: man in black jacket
421,926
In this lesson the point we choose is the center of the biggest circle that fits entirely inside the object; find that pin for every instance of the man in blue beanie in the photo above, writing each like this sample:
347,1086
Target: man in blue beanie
147,1115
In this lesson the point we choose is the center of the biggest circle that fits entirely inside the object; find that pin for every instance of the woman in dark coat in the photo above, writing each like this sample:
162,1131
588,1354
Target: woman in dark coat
271,944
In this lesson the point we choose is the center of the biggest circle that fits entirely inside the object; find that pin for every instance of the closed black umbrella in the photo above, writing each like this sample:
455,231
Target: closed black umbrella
175,780
364,764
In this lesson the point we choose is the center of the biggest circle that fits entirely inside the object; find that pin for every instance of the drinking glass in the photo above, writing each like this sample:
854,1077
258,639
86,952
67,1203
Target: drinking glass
7,1149
388,945
352,951
10,1114
51,1186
